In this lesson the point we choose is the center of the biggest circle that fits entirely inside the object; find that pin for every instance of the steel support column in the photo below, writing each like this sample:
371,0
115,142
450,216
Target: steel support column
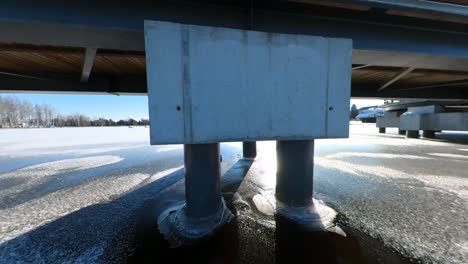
295,172
412,133
428,133
249,149
294,187
202,175
204,210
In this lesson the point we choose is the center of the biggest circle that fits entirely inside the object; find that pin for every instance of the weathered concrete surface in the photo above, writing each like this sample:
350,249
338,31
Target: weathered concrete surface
457,121
84,203
390,119
213,84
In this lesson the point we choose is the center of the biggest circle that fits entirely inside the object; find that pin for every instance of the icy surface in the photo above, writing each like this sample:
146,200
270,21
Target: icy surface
73,195
411,193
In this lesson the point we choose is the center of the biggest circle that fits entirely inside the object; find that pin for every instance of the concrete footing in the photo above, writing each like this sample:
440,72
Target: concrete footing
382,130
412,133
204,210
294,186
249,149
428,133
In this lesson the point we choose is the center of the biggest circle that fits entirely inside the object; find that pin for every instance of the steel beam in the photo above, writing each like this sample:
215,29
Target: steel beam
362,66
63,35
60,83
383,40
23,75
88,63
439,85
430,7
108,25
397,77
458,92
133,40
419,61
37,83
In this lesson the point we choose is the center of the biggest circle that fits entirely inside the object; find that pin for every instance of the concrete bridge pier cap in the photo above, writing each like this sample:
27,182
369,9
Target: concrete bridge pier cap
208,85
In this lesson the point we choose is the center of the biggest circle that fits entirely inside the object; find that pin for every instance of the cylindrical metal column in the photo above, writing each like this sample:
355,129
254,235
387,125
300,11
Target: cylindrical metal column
295,172
401,132
428,133
381,129
202,175
249,149
412,133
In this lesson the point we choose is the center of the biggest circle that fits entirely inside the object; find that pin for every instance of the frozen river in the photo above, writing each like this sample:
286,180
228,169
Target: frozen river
76,195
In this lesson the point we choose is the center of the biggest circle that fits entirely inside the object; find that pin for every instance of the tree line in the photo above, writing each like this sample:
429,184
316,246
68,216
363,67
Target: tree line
16,113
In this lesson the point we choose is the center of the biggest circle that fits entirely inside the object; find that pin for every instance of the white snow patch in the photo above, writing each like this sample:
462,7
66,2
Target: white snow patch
166,148
164,173
451,184
75,151
30,142
374,155
449,155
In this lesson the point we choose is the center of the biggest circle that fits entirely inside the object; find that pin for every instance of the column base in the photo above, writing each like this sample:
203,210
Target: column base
315,217
179,229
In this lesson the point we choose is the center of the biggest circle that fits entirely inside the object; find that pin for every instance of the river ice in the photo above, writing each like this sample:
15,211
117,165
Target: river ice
72,195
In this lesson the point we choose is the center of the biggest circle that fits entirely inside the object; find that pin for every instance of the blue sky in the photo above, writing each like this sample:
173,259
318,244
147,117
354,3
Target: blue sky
107,106
112,106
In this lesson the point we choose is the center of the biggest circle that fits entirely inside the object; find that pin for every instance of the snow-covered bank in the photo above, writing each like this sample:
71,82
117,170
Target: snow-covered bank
37,141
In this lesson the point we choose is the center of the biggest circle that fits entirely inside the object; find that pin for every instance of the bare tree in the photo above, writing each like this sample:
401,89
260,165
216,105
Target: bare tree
12,112
17,113
28,109
38,115
2,112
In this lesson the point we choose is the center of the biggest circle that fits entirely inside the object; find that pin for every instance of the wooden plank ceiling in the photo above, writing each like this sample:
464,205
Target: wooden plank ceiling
33,61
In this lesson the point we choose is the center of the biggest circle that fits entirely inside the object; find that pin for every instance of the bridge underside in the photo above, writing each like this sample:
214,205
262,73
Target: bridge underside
399,51
85,47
